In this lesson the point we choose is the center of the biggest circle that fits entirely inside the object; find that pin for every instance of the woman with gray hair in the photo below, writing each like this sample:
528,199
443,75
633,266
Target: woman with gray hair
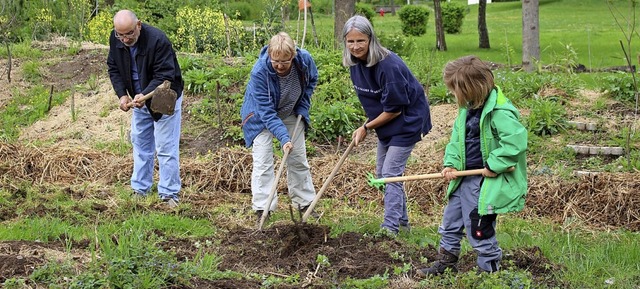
396,108
279,89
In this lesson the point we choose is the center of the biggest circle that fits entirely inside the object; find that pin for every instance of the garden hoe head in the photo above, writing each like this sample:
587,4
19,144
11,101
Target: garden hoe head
376,183
163,99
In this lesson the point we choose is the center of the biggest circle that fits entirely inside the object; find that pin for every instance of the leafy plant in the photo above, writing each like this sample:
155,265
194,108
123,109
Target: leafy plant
31,71
205,30
374,282
619,86
439,94
400,44
546,117
334,120
99,27
197,80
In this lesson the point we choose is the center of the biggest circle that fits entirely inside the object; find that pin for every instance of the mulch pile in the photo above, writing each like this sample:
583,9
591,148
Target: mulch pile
604,200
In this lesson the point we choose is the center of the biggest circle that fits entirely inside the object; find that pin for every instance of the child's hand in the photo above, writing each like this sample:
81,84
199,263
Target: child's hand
488,173
448,173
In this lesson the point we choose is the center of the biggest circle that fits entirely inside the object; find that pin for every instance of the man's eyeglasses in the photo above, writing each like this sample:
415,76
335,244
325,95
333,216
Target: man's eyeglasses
128,35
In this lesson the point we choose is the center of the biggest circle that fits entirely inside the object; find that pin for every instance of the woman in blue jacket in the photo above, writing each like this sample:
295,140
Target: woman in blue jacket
279,89
396,107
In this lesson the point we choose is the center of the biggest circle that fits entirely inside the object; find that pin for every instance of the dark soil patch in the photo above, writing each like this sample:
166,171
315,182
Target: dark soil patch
20,258
78,69
289,250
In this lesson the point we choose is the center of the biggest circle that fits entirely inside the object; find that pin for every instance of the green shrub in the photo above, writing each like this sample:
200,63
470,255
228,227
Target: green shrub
546,117
31,71
241,10
365,10
619,86
398,43
99,28
414,19
202,30
452,16
338,119
439,94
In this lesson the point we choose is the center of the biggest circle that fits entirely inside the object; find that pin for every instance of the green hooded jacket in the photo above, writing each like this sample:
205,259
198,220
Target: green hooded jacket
503,142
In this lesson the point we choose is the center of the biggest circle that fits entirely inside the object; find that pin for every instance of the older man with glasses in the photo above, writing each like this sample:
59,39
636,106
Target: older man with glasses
141,57
279,90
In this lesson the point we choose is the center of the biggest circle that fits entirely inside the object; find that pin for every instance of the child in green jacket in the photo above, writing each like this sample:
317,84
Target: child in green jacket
487,135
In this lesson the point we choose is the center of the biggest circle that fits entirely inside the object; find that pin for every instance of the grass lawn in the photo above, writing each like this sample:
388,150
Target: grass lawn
585,31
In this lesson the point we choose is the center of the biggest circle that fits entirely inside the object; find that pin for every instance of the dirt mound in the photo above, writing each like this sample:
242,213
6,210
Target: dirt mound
288,250
21,258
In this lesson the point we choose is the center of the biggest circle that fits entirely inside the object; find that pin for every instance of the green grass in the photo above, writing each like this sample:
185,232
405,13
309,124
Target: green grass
587,27
25,108
588,258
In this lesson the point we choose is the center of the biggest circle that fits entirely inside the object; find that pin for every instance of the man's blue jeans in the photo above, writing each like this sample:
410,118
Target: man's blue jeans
161,138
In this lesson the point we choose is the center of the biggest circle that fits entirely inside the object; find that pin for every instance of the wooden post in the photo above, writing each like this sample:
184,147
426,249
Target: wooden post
9,63
50,97
73,104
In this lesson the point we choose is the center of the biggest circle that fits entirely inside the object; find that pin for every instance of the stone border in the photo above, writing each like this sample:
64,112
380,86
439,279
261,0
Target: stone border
590,126
597,150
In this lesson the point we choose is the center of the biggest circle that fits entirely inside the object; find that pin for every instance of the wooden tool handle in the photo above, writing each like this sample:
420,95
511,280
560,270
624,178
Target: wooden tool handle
328,181
437,175
164,85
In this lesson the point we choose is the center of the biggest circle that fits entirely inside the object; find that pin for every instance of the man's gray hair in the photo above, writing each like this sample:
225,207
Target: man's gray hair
377,52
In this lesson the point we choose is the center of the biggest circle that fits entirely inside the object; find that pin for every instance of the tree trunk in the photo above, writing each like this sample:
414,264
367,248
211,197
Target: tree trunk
393,7
441,44
313,27
344,10
530,34
482,24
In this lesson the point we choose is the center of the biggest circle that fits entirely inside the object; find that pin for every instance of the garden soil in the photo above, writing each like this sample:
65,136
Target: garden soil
285,247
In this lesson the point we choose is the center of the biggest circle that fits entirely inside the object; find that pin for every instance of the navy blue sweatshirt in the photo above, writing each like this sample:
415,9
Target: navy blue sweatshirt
390,86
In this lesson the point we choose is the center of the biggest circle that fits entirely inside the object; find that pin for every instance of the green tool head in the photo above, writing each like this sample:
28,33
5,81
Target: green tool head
376,183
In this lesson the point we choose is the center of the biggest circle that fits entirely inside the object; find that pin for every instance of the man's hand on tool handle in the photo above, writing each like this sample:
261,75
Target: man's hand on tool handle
125,100
135,100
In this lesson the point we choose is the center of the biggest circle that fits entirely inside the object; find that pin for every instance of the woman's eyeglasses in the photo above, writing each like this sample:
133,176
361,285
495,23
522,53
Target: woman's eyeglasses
278,62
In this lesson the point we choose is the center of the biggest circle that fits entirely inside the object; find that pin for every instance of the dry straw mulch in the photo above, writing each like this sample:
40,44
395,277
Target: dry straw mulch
601,201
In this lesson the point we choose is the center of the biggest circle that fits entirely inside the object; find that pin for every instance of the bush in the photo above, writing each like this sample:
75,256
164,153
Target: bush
439,94
619,86
414,19
241,11
202,30
99,28
452,16
365,10
400,44
547,117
